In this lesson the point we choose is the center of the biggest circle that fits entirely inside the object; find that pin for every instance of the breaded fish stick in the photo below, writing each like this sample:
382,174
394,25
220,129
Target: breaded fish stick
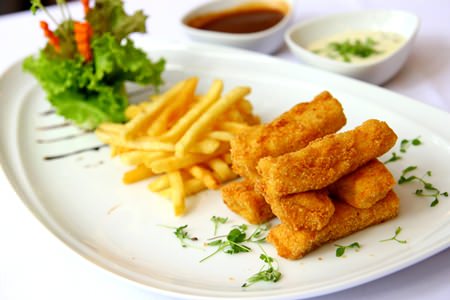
308,210
242,199
289,132
365,186
346,220
324,160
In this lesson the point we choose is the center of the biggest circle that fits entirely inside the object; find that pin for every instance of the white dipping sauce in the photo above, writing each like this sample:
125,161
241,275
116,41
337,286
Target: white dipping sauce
382,44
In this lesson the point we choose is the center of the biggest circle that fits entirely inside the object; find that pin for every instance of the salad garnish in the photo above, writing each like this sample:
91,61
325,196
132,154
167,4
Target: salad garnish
85,64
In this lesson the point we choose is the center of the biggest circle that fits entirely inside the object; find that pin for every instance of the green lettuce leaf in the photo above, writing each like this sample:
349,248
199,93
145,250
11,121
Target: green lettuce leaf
91,93
114,61
108,16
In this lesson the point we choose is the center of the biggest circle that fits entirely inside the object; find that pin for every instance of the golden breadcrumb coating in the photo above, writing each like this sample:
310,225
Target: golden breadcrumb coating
324,160
241,198
365,186
346,220
310,210
289,132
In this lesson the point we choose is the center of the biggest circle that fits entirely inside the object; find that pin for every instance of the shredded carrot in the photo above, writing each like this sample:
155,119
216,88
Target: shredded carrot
83,33
52,38
85,6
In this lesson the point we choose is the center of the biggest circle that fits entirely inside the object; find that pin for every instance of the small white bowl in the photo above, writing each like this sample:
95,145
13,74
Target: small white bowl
299,36
266,41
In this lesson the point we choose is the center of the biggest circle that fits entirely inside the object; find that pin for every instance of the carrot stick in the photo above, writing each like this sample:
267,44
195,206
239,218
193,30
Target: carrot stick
85,6
83,33
52,38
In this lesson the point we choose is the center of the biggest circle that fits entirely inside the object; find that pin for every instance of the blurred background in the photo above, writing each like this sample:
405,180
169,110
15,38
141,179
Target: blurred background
10,6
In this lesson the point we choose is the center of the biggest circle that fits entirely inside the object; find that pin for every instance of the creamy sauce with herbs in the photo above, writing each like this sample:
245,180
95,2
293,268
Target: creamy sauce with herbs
358,46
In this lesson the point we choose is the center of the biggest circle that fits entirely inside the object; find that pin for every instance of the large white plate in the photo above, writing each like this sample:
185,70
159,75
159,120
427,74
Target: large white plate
82,201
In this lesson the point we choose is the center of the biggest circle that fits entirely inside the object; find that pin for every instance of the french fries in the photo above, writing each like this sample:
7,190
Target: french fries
205,121
182,137
177,192
206,176
139,173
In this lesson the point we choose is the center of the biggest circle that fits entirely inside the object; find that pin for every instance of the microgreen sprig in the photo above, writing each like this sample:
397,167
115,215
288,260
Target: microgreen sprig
182,235
259,234
394,157
64,9
235,239
340,250
37,5
268,272
217,221
394,238
432,191
404,145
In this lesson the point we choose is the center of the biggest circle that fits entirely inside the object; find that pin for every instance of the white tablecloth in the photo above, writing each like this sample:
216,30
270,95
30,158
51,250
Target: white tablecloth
35,265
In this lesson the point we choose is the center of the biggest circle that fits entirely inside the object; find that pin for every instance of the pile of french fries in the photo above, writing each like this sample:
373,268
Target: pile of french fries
182,137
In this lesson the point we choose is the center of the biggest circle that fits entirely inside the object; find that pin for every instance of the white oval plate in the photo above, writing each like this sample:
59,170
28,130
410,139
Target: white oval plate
82,201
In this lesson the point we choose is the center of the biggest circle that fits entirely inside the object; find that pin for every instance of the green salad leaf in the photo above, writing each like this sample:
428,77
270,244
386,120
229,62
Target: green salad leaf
108,16
76,92
115,62
90,92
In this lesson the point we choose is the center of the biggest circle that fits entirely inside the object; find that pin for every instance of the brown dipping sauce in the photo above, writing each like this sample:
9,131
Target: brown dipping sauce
244,19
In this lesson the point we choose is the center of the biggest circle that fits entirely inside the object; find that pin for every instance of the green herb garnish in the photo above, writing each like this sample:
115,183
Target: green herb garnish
358,48
217,221
340,250
428,189
235,239
394,238
37,5
268,271
404,145
182,235
259,234
393,158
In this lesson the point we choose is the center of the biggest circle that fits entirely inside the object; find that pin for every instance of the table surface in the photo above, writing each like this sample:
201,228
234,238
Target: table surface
36,265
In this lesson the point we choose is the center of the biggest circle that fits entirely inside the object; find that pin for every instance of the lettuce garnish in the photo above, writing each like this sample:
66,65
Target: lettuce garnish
84,66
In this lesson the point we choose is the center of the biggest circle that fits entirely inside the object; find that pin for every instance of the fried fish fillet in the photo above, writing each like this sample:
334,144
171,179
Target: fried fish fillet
324,160
289,132
365,186
307,210
346,220
241,198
